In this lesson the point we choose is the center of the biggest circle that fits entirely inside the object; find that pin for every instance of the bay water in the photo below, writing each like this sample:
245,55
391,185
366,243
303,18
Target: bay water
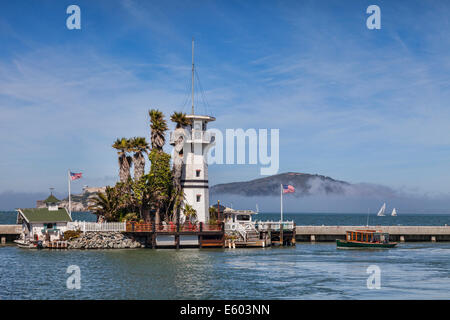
413,270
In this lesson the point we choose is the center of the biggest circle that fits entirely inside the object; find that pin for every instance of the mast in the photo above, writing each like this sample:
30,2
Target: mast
192,75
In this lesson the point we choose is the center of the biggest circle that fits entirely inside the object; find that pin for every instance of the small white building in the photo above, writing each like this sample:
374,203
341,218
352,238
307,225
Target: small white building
48,223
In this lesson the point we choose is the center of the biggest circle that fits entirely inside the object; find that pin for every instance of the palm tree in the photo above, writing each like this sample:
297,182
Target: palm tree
139,145
180,119
123,146
179,137
189,212
158,126
106,205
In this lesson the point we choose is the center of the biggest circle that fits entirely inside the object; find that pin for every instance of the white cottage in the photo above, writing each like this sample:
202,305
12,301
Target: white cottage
48,223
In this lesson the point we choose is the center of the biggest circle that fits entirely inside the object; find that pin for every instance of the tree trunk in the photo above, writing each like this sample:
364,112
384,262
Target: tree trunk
146,215
124,167
157,217
178,164
139,165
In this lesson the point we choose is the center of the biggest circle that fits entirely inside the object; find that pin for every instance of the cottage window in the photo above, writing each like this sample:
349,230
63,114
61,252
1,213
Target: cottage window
199,197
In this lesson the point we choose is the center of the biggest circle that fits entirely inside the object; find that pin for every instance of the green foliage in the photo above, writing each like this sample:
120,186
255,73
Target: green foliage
71,234
180,119
134,199
132,216
106,205
121,145
160,173
158,127
213,219
189,212
138,144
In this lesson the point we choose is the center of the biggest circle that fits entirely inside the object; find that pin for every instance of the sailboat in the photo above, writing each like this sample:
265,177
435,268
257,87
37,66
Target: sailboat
382,210
394,212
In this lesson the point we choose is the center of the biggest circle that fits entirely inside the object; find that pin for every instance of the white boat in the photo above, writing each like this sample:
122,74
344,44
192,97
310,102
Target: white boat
394,212
382,210
21,243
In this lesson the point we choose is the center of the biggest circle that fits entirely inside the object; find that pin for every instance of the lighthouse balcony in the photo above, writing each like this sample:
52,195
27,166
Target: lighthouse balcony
201,137
196,137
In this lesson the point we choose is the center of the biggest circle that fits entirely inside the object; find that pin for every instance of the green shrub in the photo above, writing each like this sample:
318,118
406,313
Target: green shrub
72,234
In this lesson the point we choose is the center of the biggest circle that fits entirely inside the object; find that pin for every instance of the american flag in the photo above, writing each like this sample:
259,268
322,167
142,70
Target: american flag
287,188
75,176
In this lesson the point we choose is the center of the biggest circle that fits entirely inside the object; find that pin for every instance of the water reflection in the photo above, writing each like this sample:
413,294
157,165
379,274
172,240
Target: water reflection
412,271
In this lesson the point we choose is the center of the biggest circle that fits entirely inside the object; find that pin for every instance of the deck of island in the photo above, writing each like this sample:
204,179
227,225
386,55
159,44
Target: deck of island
207,235
214,235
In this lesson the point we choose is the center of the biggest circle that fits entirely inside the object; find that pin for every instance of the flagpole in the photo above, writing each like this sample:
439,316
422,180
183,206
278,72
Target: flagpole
70,199
281,202
281,213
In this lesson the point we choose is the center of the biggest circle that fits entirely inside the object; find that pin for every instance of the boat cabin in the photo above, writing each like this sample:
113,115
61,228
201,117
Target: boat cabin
238,216
370,236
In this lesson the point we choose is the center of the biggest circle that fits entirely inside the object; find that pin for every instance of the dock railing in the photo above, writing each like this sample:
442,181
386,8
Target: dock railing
274,225
85,226
172,227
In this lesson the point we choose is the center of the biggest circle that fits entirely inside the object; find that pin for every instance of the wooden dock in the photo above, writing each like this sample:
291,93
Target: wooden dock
9,232
171,235
397,233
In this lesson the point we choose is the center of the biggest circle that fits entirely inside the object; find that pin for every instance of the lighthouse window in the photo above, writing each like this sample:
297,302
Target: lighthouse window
199,197
197,173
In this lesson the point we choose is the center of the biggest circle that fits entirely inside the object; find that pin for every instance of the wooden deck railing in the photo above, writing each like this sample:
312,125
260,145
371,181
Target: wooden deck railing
85,226
172,227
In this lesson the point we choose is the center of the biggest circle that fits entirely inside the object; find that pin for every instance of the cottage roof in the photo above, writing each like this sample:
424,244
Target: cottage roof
51,199
45,215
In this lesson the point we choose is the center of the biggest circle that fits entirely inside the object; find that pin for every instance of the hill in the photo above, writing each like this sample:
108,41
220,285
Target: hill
304,183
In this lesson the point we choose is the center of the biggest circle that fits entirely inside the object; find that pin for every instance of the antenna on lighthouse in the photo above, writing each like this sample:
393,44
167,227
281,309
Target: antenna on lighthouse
192,75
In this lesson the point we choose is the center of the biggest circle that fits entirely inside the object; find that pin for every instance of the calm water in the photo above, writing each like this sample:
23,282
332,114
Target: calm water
309,218
307,271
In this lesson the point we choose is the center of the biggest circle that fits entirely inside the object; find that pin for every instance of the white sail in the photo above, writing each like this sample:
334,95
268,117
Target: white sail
394,213
382,210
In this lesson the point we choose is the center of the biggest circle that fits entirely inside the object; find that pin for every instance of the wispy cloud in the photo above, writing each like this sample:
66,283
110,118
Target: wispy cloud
354,104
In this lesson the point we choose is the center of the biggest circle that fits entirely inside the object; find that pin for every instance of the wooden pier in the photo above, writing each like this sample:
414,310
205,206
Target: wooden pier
201,235
396,233
9,232
260,234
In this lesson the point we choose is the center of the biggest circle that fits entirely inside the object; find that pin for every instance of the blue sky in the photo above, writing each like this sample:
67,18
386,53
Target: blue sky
355,104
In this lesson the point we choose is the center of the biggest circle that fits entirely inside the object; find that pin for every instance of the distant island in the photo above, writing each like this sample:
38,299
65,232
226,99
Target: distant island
80,202
304,183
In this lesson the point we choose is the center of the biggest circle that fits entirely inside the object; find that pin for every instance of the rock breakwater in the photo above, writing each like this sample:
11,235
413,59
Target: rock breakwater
105,240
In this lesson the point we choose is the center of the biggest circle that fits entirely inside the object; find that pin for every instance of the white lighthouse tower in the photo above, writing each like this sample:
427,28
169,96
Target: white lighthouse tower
194,175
